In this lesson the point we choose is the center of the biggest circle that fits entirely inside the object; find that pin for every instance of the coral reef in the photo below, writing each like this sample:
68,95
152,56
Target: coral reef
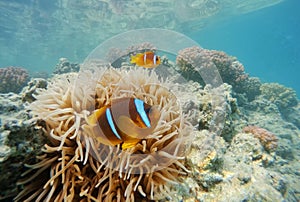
13,79
245,175
232,172
64,66
284,162
266,138
246,166
284,98
195,62
223,162
80,167
221,98
294,115
20,142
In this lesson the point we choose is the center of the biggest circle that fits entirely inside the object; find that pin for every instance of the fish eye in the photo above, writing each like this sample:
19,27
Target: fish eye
147,110
157,58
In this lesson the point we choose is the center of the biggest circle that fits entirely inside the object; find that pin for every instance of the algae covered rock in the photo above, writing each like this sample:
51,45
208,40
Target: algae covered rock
19,140
247,178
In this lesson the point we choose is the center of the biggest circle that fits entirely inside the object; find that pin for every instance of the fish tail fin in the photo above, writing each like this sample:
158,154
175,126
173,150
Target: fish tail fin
132,59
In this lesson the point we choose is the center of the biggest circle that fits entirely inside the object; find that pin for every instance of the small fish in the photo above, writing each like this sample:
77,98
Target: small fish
125,121
148,59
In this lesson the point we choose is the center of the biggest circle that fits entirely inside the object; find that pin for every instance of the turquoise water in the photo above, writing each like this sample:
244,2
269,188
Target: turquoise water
266,41
35,34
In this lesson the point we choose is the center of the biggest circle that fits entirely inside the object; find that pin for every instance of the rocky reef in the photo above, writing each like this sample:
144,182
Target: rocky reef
252,154
20,141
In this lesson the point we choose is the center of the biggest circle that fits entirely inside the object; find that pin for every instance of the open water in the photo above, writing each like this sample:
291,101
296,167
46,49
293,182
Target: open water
266,41
35,34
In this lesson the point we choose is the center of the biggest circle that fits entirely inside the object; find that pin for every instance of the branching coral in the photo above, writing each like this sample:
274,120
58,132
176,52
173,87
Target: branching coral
76,167
13,79
266,138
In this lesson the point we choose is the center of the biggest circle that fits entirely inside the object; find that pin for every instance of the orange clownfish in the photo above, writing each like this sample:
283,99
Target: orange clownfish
125,121
148,59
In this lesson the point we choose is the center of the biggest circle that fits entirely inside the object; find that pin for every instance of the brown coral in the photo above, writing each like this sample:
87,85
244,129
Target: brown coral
205,66
266,138
75,167
13,79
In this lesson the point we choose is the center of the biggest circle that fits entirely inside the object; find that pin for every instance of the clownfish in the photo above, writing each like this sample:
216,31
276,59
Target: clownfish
148,59
125,121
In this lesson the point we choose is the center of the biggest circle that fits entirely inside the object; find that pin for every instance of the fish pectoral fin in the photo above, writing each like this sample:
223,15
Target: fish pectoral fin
128,127
130,143
91,120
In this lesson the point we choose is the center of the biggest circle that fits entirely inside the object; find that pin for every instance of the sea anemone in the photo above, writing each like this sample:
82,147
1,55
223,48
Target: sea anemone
75,167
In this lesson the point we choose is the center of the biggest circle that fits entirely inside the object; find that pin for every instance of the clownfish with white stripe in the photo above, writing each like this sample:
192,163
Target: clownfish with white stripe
125,121
148,59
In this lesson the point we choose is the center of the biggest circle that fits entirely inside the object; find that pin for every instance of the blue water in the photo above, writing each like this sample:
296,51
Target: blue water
266,41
